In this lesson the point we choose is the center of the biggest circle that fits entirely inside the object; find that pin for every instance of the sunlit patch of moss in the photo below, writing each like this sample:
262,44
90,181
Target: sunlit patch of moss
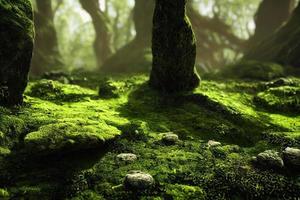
4,193
177,191
56,91
254,70
67,135
284,98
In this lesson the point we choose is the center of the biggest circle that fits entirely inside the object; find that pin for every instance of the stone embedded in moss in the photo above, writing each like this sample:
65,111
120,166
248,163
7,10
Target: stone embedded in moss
69,137
137,180
269,159
284,98
173,48
16,45
291,157
170,138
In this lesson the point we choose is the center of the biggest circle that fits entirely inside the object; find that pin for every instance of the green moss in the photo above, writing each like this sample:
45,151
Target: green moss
253,70
56,91
284,98
133,123
4,151
70,136
177,192
4,194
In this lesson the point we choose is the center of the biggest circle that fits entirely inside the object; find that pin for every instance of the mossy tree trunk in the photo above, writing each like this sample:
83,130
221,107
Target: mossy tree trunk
102,43
269,17
16,45
173,48
46,54
133,56
283,46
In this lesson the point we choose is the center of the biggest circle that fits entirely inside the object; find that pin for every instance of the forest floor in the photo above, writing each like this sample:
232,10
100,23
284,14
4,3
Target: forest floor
64,142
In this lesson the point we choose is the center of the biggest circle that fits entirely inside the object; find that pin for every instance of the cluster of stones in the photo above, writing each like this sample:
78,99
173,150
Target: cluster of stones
138,180
271,159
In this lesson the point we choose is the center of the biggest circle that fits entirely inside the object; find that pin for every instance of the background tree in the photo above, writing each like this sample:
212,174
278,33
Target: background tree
16,45
135,55
102,44
46,54
283,46
269,17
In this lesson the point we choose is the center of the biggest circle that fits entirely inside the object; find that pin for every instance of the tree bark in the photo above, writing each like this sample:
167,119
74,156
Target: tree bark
173,49
16,45
133,56
283,46
270,16
46,54
102,43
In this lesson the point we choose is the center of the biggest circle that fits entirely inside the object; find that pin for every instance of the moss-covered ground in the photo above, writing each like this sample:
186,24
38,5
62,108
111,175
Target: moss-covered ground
63,142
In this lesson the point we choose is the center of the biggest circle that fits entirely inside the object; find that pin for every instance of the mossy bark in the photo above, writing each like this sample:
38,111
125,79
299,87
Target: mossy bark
16,45
173,48
102,43
133,56
46,54
283,46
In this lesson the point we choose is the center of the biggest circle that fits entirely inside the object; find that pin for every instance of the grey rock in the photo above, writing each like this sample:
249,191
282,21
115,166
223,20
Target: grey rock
127,157
138,180
269,159
291,156
170,138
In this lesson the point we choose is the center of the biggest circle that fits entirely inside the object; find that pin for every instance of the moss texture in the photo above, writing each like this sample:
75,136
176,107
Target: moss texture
173,48
16,32
133,122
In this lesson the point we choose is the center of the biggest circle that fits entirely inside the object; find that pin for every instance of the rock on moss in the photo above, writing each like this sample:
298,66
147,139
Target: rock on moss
291,157
254,70
173,48
269,159
16,45
137,180
69,137
284,98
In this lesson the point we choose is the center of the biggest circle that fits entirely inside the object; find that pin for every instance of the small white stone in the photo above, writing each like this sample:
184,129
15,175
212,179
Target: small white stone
137,180
212,143
127,157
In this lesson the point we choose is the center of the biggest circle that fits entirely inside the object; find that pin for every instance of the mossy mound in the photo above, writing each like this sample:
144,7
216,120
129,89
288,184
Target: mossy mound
67,136
284,99
56,91
254,70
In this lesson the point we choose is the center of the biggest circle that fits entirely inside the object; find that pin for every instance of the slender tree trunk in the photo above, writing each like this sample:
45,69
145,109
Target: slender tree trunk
133,56
46,54
283,46
270,16
16,45
173,48
102,44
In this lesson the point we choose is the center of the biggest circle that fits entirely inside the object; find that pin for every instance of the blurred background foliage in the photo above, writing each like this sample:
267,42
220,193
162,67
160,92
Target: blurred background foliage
222,29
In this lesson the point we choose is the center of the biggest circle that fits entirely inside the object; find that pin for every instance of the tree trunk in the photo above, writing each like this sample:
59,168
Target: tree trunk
102,44
270,16
134,57
283,46
16,44
173,48
46,54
